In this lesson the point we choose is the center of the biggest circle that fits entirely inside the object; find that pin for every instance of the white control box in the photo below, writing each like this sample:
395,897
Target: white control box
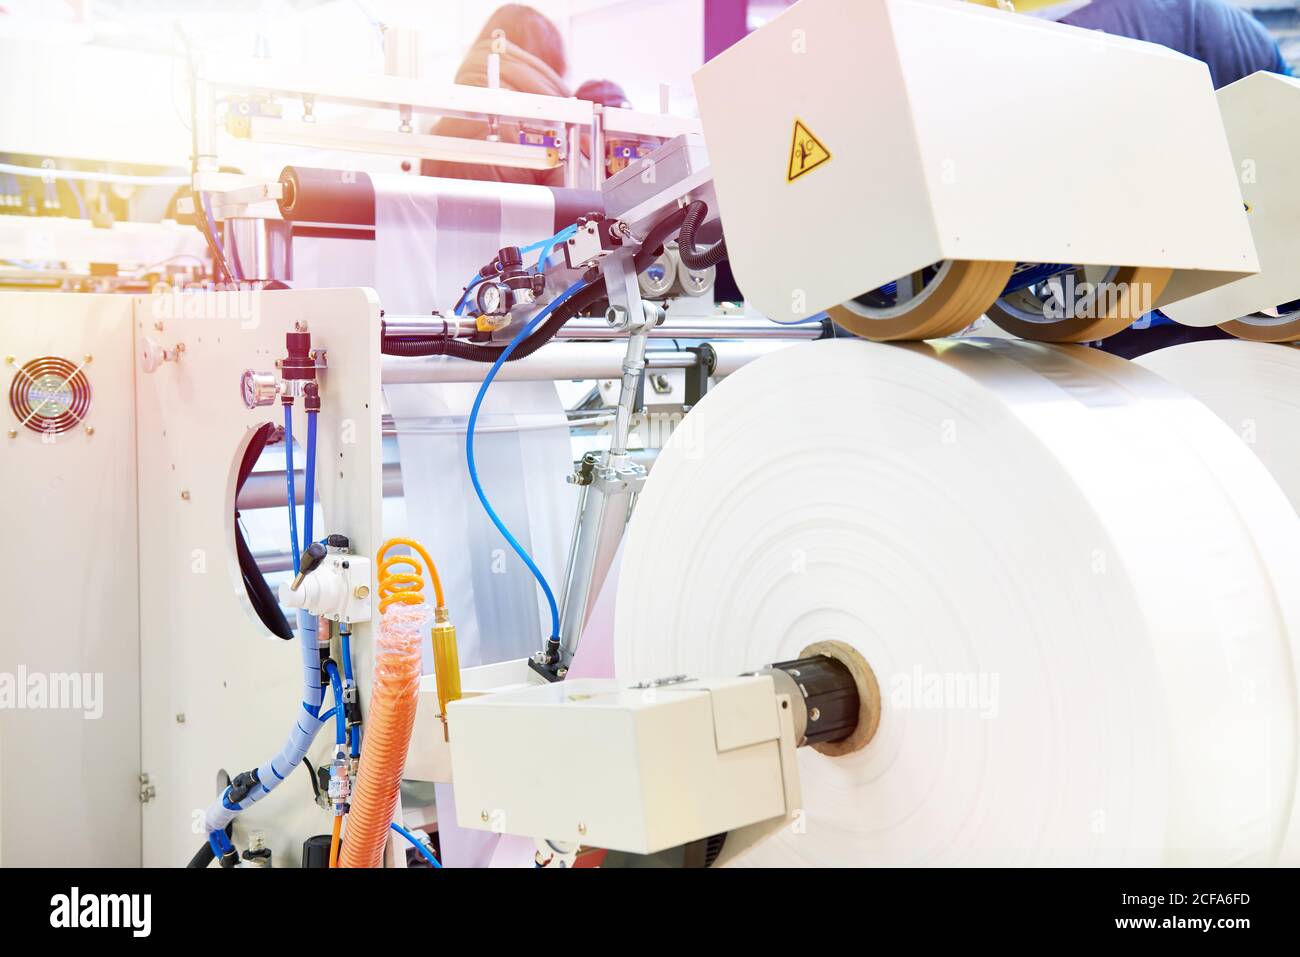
630,768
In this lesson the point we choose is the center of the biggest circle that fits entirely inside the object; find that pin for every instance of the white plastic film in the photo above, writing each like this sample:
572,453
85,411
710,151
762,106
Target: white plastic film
1075,587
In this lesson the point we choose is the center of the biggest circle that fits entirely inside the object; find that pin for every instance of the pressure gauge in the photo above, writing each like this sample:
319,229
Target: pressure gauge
258,388
494,299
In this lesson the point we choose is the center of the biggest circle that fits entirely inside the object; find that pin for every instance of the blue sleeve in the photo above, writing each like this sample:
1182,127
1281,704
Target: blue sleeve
1231,42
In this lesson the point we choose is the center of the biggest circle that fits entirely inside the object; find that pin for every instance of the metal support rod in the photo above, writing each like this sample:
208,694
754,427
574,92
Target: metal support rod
572,154
597,146
721,327
570,360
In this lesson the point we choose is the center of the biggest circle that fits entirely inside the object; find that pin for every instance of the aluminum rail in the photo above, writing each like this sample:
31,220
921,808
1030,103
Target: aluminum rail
266,490
571,360
586,328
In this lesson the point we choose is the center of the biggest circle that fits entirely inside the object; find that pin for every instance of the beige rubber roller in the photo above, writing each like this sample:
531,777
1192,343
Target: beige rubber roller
1285,331
1121,313
952,302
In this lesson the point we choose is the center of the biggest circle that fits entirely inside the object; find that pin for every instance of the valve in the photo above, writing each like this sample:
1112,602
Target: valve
335,586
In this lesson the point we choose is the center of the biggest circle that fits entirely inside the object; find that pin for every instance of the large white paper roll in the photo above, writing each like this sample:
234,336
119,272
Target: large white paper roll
1075,587
1253,386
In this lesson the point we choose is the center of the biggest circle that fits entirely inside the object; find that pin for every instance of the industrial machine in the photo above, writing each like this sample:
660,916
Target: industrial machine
586,567
1258,114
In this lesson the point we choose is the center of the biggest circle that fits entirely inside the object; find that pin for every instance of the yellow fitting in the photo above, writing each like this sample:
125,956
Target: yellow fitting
446,665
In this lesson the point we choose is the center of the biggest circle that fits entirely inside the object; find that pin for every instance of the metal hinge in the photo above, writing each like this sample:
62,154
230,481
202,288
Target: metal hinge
147,791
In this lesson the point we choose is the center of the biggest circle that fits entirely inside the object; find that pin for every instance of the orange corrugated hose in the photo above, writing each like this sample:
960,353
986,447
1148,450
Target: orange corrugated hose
394,693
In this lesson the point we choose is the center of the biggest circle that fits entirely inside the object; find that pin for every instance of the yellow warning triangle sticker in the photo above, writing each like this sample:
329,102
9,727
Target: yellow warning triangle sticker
806,152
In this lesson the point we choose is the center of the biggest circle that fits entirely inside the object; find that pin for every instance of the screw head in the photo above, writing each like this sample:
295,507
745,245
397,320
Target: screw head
362,591
814,714
185,495
180,718
90,430
9,360
484,816
89,358
13,433
582,828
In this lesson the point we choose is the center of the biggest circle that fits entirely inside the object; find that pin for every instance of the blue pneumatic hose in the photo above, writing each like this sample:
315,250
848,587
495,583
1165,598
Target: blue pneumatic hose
519,549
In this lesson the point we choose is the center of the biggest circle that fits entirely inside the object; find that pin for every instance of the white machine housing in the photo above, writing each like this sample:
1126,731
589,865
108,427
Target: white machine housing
1261,115
934,113
638,769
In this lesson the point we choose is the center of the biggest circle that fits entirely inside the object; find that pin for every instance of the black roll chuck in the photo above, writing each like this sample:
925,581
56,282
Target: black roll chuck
829,695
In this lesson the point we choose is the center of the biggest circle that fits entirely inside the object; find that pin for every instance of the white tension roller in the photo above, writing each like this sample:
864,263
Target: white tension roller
1075,588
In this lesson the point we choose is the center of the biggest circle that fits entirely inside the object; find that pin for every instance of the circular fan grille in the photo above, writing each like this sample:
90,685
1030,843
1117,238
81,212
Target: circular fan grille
49,394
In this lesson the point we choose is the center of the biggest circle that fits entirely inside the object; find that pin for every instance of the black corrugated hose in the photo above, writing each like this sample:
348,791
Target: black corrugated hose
698,258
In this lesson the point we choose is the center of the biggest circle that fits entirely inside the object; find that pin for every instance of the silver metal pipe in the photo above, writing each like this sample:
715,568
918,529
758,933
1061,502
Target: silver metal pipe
597,146
595,328
573,154
416,326
261,248
566,360
267,489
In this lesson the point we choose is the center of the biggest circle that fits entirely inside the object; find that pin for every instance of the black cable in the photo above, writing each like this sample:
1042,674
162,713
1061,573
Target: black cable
652,246
202,857
264,601
205,855
693,258
201,219
315,785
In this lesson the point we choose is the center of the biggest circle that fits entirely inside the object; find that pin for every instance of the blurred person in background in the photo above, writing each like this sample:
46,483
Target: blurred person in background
532,61
1228,39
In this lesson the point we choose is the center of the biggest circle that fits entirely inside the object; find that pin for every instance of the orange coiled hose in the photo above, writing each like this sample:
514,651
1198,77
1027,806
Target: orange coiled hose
394,694
406,587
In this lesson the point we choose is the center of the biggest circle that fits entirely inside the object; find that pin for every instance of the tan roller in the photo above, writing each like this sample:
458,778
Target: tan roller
1123,311
1263,332
950,304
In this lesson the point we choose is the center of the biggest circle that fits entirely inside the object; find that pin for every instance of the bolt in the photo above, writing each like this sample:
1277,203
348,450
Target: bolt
814,714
